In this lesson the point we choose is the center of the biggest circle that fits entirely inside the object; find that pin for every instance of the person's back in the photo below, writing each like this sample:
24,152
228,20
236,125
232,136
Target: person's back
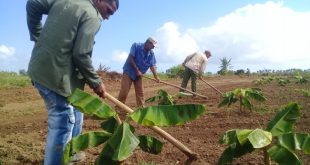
60,43
196,61
61,62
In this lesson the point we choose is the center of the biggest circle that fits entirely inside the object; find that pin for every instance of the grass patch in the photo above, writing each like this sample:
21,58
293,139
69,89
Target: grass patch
161,76
12,79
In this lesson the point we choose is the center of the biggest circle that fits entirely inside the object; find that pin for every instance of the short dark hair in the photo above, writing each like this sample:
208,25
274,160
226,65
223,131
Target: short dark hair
208,53
116,1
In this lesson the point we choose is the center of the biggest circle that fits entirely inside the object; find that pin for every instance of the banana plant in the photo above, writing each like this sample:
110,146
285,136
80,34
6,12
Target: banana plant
300,79
282,81
263,80
304,92
162,97
118,138
278,141
243,96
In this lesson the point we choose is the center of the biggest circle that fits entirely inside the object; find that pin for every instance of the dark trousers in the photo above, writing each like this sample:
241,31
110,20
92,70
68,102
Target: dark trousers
188,73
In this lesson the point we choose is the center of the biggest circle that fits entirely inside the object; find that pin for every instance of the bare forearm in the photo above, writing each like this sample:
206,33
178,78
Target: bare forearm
133,64
154,72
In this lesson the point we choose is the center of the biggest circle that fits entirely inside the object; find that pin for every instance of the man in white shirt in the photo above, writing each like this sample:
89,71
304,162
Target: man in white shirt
194,64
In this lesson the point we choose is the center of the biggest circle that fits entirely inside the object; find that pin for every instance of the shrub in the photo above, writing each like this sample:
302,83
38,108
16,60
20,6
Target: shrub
175,71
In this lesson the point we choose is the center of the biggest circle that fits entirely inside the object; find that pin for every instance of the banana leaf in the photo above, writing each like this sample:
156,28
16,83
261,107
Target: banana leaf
105,160
163,97
181,94
242,135
229,137
228,99
241,92
284,120
260,138
295,141
153,99
109,124
233,151
90,105
150,144
255,94
167,115
283,156
84,141
246,103
242,141
120,146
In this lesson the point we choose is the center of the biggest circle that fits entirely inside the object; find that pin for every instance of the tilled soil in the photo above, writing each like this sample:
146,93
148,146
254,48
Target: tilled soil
23,122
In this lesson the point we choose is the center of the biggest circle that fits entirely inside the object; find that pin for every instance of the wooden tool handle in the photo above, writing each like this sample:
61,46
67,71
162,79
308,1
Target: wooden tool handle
212,87
163,82
158,130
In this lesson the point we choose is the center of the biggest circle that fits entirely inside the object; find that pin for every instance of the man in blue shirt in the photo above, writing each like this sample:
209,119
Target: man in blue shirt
140,59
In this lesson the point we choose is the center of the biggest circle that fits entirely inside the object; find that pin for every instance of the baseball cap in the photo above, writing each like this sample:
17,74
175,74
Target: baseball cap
151,40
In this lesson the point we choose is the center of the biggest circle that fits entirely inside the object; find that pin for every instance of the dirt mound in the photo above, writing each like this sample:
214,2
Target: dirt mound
110,76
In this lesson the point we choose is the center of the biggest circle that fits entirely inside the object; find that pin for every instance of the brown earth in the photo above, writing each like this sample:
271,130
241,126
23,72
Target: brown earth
23,122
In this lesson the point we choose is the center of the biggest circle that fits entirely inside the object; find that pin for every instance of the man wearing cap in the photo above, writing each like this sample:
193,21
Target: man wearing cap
194,64
140,59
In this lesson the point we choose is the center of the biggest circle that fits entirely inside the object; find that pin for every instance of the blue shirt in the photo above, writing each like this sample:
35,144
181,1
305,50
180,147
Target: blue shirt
144,60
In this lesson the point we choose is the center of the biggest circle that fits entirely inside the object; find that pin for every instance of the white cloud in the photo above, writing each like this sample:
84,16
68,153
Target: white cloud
257,36
119,56
172,45
6,52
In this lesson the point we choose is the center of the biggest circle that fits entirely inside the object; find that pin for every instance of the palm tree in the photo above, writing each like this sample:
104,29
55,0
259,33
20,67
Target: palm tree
225,65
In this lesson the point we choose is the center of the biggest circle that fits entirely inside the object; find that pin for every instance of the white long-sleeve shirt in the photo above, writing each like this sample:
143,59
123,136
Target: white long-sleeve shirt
197,62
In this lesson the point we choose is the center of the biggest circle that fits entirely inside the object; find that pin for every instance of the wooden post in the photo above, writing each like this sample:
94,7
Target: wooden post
163,82
158,130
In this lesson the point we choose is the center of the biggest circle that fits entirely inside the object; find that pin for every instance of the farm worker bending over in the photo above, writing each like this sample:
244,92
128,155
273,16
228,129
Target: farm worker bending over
140,59
61,63
194,64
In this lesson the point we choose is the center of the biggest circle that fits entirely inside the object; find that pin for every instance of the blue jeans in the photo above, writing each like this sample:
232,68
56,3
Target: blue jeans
64,122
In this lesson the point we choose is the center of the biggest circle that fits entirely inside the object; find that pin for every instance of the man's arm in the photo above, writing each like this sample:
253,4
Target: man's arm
134,65
201,69
82,53
189,57
153,69
35,10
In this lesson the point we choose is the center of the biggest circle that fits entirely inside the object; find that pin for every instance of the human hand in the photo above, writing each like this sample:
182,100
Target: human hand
138,73
157,80
100,90
200,77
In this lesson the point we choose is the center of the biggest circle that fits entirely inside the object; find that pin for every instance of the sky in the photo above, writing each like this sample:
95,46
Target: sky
254,34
